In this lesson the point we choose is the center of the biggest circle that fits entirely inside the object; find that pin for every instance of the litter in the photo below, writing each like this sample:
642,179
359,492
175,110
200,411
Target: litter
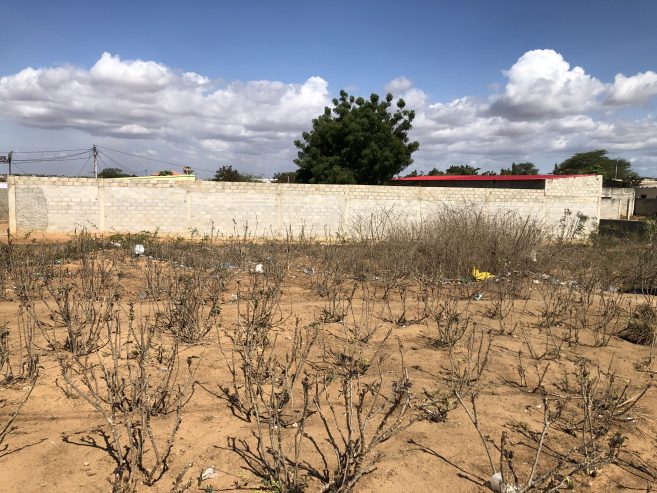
478,296
481,276
209,473
115,244
496,484
139,249
259,269
533,255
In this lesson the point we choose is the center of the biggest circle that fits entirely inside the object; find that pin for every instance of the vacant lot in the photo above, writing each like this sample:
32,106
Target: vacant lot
374,364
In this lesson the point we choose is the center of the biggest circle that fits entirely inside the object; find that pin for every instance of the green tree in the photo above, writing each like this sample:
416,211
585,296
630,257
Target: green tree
357,141
285,177
489,173
113,173
613,171
435,172
520,169
462,169
227,173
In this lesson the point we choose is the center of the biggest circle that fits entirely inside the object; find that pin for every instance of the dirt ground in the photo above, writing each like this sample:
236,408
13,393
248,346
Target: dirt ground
58,443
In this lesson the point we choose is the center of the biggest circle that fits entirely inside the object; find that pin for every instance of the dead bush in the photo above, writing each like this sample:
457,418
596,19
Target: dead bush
192,305
141,405
451,322
642,326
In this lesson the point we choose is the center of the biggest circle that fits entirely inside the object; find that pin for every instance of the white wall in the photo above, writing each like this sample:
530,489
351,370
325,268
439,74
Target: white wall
62,205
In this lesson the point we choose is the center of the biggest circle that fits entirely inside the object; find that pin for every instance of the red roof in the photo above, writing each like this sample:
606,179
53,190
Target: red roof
487,177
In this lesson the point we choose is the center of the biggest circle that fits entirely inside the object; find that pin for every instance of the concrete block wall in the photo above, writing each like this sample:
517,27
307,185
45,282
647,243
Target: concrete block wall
63,205
617,203
4,204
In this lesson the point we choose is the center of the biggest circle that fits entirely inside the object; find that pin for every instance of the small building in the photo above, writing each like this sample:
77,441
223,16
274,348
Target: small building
645,201
515,182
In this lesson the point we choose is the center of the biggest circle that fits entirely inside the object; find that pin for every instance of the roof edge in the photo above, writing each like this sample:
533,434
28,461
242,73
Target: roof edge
488,177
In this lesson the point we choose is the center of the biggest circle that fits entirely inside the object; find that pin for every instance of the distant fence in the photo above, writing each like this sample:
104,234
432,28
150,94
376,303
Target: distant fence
62,205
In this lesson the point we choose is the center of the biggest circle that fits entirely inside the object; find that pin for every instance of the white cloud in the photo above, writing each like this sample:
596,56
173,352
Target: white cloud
544,112
138,99
110,69
398,85
634,90
541,83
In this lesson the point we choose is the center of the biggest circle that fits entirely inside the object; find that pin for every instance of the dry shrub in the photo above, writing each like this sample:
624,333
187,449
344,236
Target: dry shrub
452,322
642,326
451,240
140,389
192,304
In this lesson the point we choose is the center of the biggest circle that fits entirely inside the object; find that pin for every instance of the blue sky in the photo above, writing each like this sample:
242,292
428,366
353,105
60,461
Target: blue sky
210,83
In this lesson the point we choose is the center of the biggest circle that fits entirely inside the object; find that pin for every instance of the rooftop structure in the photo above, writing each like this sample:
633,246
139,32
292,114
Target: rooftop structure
482,181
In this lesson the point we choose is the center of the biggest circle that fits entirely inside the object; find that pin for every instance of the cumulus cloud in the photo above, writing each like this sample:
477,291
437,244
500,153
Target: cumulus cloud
398,85
137,99
541,83
634,90
545,111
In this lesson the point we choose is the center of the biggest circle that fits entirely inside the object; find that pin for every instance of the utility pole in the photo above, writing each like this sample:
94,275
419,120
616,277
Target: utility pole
94,151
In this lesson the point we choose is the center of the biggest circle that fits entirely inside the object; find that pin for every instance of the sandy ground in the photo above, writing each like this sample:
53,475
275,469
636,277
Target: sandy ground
58,446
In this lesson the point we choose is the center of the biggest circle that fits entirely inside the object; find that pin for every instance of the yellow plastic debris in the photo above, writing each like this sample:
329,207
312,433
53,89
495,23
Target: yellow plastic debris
481,276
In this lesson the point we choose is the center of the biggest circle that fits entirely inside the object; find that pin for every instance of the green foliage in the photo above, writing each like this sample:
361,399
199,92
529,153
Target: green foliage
520,169
432,172
166,172
618,171
227,173
462,169
285,177
113,173
358,141
489,173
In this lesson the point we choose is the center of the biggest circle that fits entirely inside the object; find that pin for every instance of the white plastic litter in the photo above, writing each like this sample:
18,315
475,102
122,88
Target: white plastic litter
209,473
496,484
115,244
259,269
139,249
533,255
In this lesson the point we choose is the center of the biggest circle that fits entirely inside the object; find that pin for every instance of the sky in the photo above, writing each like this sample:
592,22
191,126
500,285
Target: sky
162,84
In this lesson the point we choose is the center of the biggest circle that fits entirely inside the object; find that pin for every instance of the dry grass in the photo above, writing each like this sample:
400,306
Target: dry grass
365,364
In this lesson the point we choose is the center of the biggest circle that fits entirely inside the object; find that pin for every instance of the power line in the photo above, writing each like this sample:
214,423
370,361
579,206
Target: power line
115,162
153,159
21,169
85,163
70,157
40,152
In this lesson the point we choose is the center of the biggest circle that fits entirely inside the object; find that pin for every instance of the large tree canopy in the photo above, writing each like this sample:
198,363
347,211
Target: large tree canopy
358,141
520,169
598,163
228,173
113,173
462,169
